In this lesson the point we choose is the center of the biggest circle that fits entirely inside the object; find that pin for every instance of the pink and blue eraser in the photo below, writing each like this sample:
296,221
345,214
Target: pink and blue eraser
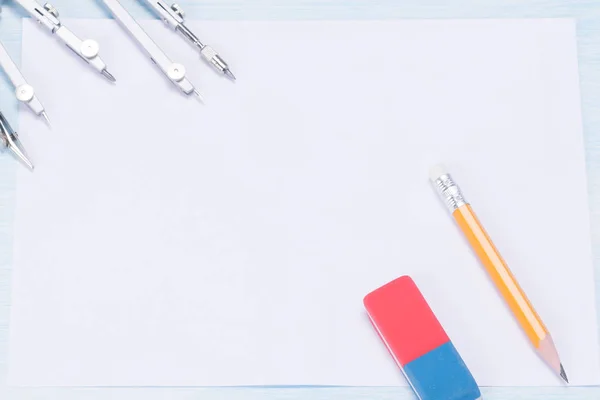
418,343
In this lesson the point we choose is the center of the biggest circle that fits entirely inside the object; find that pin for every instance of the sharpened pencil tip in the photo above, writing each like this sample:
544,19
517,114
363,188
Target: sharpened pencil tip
563,374
229,74
108,76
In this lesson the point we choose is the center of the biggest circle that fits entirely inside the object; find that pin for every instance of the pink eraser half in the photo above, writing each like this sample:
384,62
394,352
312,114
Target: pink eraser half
404,320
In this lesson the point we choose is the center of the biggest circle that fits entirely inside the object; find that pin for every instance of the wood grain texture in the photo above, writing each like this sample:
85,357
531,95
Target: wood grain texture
587,13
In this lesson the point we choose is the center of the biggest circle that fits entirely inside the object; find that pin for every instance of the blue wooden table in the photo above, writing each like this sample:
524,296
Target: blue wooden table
587,14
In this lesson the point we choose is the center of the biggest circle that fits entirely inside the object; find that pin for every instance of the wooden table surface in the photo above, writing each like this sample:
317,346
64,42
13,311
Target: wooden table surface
587,14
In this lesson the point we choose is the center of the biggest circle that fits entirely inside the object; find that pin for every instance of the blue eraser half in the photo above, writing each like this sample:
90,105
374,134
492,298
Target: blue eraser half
441,374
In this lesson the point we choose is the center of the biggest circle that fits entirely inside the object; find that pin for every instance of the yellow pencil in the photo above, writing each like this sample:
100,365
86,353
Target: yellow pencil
496,267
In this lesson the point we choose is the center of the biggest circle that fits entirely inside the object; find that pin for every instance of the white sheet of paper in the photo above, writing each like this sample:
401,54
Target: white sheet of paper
165,242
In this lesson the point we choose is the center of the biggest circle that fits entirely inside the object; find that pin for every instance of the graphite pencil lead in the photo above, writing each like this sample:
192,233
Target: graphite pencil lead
563,374
108,75
229,74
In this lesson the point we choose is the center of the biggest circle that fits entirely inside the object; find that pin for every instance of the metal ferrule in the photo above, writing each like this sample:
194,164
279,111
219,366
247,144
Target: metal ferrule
449,192
219,63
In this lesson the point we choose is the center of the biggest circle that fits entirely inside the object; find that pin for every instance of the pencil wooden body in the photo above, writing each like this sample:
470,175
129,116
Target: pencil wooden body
501,275
498,270
508,286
